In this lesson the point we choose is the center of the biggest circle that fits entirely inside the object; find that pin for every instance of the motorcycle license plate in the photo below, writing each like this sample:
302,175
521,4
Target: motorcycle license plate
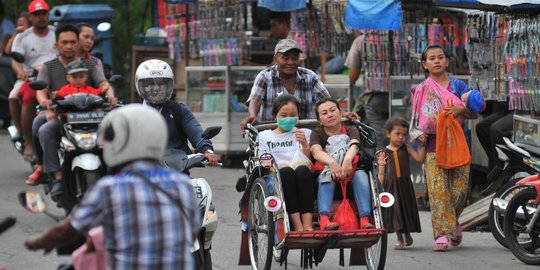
85,116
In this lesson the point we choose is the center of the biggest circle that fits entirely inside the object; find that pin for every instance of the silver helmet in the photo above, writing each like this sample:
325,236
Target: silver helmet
132,132
154,80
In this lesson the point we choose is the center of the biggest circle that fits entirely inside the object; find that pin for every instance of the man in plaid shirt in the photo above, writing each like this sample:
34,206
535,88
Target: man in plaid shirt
284,77
143,227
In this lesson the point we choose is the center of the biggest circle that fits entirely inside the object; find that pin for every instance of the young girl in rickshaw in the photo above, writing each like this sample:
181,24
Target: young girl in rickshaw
282,143
402,217
329,115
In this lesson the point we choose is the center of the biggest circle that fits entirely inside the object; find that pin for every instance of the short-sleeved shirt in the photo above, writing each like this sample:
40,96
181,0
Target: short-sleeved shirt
35,49
354,58
54,74
281,146
72,89
318,136
143,228
308,88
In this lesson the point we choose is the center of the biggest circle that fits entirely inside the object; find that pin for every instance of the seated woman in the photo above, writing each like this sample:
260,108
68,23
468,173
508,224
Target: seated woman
282,143
329,114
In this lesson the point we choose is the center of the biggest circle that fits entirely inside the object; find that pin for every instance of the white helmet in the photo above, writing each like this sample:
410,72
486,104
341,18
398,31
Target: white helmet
154,80
132,132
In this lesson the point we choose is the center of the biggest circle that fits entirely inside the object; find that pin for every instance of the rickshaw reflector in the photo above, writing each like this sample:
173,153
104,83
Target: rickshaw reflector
387,199
272,203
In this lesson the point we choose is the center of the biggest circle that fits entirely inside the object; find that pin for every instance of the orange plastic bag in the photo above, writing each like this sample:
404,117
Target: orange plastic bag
451,150
344,215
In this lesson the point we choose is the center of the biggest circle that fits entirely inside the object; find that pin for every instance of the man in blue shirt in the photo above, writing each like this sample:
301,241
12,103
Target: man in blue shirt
148,213
154,81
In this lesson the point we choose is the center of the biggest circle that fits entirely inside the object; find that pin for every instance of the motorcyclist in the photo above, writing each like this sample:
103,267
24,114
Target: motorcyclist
148,213
36,44
154,80
86,43
46,128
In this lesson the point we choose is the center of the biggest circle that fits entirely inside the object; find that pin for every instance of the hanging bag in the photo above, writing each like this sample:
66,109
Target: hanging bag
451,149
345,216
300,159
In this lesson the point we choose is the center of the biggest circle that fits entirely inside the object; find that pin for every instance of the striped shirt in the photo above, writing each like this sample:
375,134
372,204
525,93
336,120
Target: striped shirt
143,228
308,88
54,74
35,49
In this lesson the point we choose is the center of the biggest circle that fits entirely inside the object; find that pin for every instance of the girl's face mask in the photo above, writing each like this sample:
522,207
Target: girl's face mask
287,123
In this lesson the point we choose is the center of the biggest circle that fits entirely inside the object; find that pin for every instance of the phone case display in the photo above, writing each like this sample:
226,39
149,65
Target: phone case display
215,31
321,28
505,55
527,130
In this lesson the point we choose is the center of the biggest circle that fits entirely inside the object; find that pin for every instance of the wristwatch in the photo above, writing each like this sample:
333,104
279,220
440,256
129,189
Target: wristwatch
209,151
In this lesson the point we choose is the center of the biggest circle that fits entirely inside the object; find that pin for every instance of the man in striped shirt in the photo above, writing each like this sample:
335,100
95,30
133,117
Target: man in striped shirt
284,77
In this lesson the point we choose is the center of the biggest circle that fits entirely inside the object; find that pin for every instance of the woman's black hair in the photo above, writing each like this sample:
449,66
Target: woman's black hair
432,47
394,122
83,24
324,100
283,100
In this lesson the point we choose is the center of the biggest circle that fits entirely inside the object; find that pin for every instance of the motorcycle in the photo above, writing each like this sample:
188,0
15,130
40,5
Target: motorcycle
522,221
180,161
80,157
518,160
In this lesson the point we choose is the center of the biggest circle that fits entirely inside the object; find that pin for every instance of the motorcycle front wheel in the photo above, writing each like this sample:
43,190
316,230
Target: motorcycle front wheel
496,219
519,212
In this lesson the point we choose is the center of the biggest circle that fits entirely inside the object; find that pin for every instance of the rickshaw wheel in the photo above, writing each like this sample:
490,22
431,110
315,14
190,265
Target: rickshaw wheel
376,254
260,227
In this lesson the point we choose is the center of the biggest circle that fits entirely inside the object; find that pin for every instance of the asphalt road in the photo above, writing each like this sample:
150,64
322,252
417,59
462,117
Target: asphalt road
478,251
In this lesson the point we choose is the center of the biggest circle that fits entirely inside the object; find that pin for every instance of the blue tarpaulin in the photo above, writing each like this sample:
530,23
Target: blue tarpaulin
283,5
373,14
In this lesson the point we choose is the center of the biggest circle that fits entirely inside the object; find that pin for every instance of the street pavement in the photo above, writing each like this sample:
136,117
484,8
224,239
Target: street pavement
478,251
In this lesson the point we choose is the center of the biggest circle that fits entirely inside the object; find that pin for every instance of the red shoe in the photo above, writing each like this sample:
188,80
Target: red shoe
365,223
35,177
326,225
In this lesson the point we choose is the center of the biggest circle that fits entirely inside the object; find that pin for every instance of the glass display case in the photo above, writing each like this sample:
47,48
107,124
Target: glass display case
216,96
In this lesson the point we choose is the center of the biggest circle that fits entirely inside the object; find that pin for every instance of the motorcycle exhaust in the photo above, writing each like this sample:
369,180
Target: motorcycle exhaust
500,206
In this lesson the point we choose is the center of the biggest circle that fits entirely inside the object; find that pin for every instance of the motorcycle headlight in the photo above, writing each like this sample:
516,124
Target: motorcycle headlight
85,141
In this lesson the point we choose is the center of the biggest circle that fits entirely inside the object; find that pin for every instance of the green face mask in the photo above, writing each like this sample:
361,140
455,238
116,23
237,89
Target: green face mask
287,123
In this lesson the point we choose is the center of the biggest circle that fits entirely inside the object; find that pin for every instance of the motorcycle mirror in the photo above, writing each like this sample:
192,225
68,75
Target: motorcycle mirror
17,57
38,85
32,201
117,80
211,132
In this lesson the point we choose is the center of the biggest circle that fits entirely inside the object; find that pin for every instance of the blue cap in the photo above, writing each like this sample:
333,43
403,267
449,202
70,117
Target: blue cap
476,102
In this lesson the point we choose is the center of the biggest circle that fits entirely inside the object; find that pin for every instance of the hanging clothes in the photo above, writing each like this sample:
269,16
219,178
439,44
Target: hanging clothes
282,5
373,14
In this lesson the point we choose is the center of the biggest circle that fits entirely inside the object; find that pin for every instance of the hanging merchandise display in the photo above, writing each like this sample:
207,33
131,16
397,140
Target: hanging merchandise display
504,58
486,34
214,32
321,28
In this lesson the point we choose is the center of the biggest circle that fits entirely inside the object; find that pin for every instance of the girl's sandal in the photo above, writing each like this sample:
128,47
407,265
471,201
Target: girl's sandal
459,236
441,244
399,245
408,240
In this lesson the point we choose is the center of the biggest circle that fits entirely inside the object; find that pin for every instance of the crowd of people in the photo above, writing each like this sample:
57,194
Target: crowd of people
283,93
